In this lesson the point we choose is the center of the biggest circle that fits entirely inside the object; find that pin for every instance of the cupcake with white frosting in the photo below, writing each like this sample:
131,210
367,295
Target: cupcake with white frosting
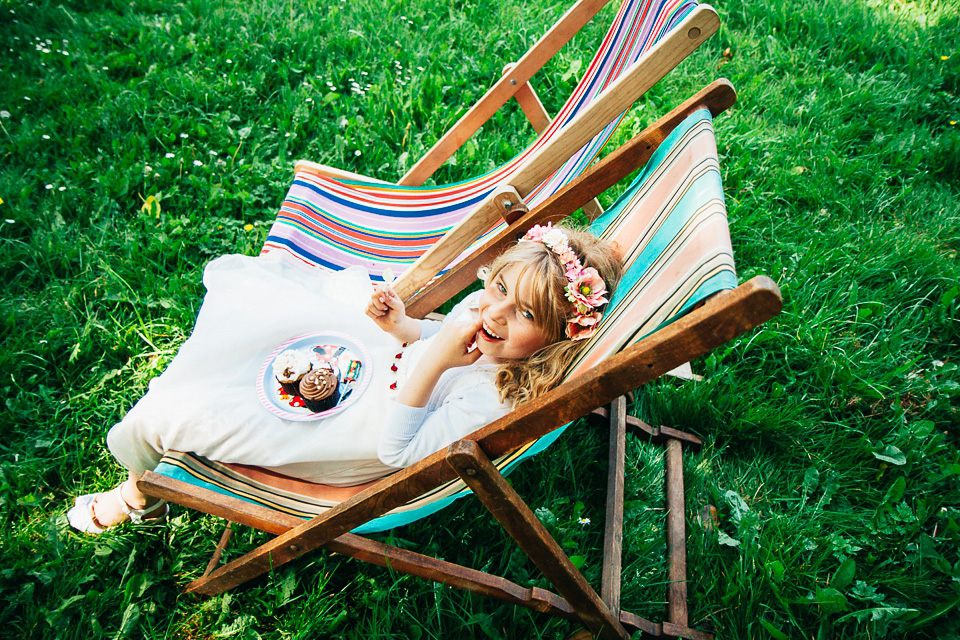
289,368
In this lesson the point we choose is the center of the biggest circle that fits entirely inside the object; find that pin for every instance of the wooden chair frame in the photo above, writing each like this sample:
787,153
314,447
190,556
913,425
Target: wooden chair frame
600,390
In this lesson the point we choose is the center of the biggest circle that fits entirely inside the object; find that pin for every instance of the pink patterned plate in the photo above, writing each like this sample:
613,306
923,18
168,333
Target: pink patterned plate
338,350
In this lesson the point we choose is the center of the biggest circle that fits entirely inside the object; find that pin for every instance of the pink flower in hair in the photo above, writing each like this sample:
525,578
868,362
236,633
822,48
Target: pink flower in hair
583,326
586,290
567,257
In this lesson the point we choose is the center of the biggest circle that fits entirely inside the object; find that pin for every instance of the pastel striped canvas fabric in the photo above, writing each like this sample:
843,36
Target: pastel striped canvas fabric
671,225
334,224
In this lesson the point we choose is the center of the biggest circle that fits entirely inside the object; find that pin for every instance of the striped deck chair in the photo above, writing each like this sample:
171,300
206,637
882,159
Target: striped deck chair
334,219
678,299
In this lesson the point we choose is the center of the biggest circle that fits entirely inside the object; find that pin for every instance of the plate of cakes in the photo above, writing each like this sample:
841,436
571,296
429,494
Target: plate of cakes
313,376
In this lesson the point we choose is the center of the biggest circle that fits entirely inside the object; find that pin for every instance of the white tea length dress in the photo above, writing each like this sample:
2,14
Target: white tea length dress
206,401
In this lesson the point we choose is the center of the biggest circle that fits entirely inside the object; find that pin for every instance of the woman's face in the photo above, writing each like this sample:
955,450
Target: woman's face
509,330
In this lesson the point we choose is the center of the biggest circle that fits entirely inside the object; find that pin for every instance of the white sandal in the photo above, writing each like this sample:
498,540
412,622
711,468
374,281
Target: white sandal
82,518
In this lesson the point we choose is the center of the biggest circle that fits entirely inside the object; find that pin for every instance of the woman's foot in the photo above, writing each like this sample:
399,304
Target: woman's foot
97,512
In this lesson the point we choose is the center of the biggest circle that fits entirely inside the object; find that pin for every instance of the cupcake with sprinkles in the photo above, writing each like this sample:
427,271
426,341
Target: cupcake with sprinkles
320,389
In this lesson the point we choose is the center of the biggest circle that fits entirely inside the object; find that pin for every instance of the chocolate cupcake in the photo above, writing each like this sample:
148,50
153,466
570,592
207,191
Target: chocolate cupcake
320,389
289,368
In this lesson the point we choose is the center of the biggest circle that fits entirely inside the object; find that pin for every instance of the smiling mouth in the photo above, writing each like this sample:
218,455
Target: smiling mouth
488,334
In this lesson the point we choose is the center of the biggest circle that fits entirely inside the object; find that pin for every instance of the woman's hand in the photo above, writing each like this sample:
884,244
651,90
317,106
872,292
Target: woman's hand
388,311
454,346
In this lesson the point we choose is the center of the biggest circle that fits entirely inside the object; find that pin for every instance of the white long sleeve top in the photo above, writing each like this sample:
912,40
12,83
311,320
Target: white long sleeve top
464,399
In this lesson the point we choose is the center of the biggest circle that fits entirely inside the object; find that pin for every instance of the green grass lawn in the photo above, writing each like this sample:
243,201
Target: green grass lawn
138,140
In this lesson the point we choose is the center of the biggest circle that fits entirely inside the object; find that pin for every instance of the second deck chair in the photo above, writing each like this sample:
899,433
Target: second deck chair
671,224
335,220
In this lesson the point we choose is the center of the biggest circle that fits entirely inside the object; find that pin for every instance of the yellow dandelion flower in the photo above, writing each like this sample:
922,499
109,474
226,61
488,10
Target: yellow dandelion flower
248,227
1,200
944,57
151,206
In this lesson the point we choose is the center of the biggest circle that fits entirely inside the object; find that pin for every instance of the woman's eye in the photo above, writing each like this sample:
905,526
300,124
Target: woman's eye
527,315
502,289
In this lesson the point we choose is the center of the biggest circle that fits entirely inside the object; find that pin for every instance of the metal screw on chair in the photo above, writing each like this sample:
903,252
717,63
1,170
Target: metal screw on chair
470,471
507,204
694,33
513,81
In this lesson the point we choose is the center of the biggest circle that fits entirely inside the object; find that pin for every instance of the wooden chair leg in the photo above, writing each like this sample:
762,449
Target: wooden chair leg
218,552
676,534
678,618
613,534
520,522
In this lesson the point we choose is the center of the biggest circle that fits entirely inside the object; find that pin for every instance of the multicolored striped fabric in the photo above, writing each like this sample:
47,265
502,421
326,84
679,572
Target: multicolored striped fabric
334,224
670,223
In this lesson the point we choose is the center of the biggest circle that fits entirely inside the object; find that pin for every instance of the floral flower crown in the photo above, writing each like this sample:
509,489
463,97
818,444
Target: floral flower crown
585,287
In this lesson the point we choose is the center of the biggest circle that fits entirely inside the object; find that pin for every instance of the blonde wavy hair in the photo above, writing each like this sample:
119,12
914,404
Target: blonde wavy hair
523,380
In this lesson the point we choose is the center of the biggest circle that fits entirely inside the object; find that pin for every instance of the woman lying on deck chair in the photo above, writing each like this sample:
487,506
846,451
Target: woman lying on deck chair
428,383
